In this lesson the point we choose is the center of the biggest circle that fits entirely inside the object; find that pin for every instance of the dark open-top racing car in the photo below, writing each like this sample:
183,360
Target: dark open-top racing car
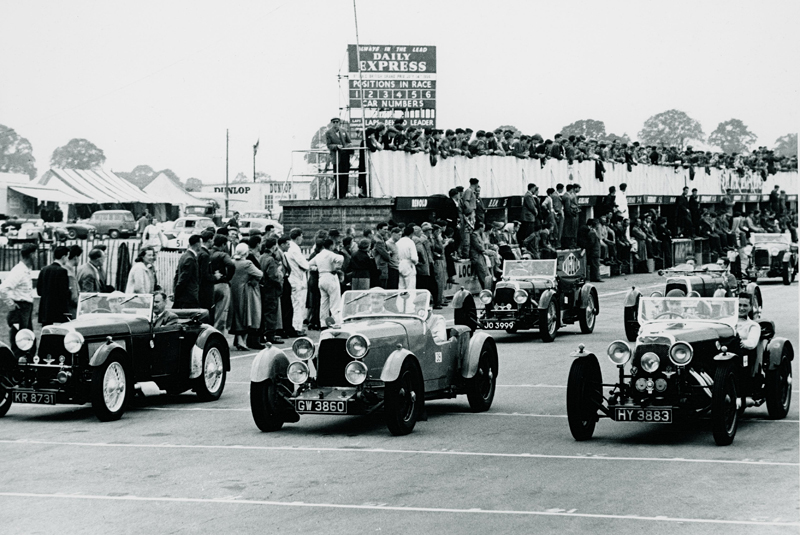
772,255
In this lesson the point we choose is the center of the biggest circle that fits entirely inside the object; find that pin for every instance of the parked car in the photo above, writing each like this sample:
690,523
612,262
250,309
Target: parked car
543,294
390,351
772,255
71,231
26,231
723,279
247,224
110,351
178,234
115,223
686,362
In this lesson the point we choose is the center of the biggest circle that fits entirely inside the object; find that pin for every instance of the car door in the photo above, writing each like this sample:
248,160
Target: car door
167,345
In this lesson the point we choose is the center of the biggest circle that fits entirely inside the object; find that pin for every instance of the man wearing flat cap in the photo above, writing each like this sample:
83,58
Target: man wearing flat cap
337,140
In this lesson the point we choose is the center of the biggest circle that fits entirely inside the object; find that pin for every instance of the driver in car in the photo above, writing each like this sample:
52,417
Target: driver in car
747,330
162,316
435,322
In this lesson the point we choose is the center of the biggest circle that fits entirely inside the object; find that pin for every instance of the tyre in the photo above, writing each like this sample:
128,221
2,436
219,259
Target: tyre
72,234
584,395
210,384
512,331
264,406
5,400
109,390
548,322
631,323
404,399
788,273
113,234
481,387
587,318
724,413
779,389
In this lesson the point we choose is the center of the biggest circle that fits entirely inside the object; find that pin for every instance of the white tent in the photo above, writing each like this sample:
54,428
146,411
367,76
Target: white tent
164,188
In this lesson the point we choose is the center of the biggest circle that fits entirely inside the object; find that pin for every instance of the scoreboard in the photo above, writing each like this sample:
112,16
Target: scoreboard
392,82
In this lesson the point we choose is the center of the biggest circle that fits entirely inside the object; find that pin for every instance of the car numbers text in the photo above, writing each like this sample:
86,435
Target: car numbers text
326,407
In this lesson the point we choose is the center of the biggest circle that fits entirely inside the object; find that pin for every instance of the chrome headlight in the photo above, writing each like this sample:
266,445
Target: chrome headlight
681,353
303,348
773,251
485,296
25,339
650,362
355,372
73,341
619,352
357,346
297,372
520,296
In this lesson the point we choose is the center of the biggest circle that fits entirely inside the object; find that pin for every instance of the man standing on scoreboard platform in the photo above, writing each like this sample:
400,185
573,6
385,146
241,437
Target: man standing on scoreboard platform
337,140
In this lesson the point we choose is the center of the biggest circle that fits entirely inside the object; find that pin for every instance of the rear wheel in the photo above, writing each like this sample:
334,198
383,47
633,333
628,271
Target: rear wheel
584,395
779,389
264,406
404,400
587,317
210,384
724,410
113,234
5,400
481,388
72,234
109,389
548,322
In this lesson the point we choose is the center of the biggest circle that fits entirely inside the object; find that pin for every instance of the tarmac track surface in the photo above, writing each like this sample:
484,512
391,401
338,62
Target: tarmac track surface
172,465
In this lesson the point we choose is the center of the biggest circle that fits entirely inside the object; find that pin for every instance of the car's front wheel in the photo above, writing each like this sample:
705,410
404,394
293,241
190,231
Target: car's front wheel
5,400
788,273
481,387
588,317
584,395
631,323
109,389
210,384
264,405
779,389
404,399
72,234
548,322
724,410
113,234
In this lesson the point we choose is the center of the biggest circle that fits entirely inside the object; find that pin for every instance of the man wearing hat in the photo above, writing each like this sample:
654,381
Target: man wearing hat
530,211
337,140
469,200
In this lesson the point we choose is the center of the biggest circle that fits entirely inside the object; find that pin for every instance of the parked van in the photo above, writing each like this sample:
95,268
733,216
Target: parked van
115,223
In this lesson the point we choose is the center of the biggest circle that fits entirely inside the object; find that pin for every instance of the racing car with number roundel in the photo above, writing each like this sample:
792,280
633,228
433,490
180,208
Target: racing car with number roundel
535,294
110,351
390,352
687,361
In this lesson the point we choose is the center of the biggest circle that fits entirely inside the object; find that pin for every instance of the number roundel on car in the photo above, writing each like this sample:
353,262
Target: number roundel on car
571,265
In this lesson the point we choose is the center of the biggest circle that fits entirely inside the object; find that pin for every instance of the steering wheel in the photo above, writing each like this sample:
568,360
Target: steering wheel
100,311
670,314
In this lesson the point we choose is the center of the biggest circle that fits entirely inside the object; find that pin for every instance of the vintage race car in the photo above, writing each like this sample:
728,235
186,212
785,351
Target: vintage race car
111,351
722,279
543,294
687,361
772,255
389,352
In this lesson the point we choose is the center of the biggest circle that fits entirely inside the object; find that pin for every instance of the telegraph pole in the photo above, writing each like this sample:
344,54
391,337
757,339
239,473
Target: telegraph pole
226,172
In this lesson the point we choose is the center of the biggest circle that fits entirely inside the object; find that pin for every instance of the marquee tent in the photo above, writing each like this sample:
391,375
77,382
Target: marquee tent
99,185
162,187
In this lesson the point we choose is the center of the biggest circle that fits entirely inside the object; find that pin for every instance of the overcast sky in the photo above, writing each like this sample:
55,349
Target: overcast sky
158,82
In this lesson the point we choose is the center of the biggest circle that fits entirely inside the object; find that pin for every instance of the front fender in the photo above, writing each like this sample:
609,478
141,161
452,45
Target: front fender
103,352
470,360
776,349
391,368
7,359
208,334
753,289
459,298
632,299
545,298
787,257
268,364
589,296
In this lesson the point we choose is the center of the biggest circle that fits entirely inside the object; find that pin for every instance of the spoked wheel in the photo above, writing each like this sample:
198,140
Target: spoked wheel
584,395
548,322
631,323
779,389
588,317
5,400
724,410
481,388
109,390
211,383
264,406
404,400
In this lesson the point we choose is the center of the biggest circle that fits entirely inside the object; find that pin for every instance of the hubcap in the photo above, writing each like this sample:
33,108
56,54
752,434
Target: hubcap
213,371
114,386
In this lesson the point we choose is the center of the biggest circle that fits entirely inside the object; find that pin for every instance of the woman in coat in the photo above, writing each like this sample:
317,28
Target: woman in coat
271,289
245,310
141,279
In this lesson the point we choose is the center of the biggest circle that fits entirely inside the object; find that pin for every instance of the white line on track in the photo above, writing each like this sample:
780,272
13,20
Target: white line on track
244,356
400,452
609,294
377,507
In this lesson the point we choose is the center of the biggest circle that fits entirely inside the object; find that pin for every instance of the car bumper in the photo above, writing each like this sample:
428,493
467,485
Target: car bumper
332,401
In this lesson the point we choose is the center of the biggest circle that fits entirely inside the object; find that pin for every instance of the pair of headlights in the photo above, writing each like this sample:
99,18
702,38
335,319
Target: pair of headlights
25,339
520,296
680,353
357,346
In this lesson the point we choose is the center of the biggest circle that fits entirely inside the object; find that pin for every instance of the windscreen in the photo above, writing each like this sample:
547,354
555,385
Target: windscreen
366,303
521,269
115,303
668,309
770,238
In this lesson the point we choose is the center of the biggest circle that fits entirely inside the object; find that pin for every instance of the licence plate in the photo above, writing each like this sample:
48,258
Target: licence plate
39,398
498,325
320,406
659,416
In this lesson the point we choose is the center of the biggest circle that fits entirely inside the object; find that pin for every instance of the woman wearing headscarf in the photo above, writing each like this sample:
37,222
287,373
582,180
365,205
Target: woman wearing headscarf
141,279
245,310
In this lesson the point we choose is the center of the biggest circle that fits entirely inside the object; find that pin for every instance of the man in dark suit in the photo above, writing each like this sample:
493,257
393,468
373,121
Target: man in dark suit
683,214
207,278
89,274
187,277
530,211
53,287
336,141
161,316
